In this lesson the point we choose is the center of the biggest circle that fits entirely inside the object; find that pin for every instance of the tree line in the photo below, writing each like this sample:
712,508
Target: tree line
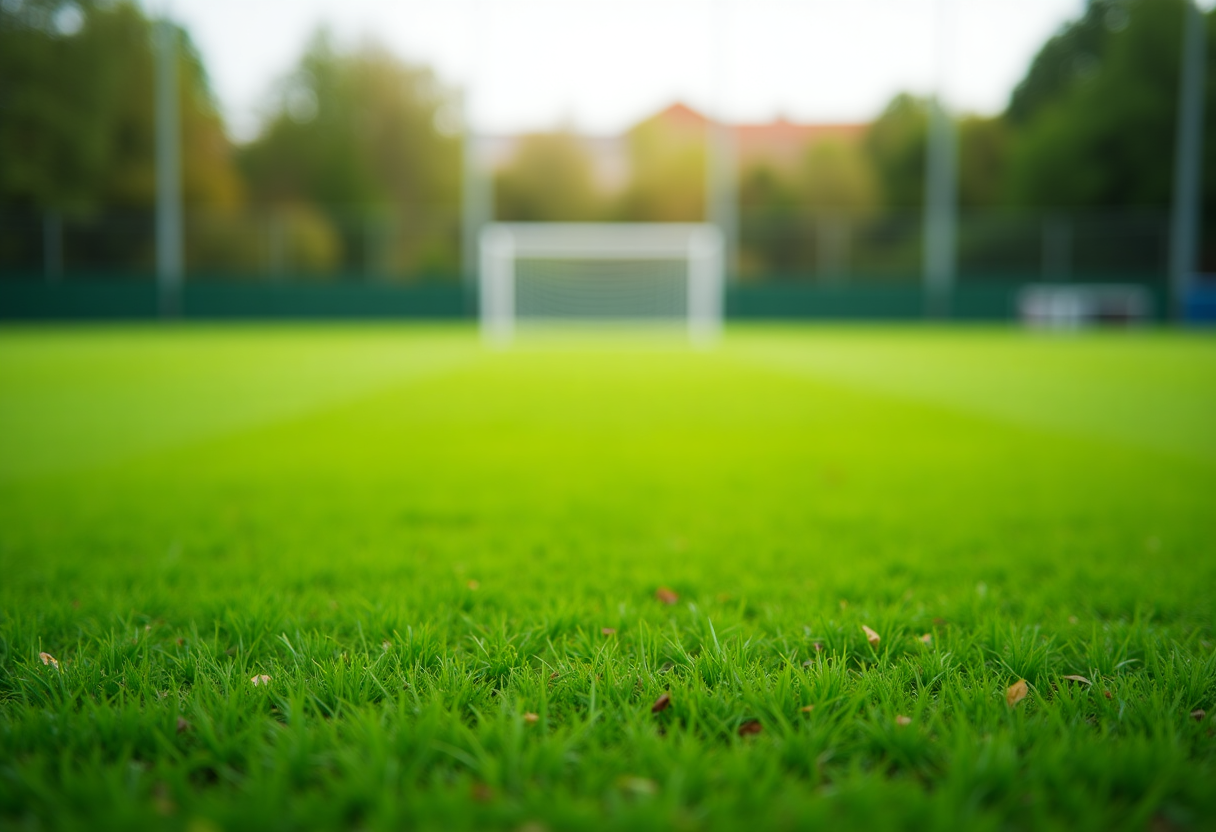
356,139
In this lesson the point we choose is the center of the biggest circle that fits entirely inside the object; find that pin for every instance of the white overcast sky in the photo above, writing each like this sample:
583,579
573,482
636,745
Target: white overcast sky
599,65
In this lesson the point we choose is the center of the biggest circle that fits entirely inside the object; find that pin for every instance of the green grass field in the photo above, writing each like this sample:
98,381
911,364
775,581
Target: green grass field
446,560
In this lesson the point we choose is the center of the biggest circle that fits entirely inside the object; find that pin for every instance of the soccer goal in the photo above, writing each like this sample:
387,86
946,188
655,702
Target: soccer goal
578,273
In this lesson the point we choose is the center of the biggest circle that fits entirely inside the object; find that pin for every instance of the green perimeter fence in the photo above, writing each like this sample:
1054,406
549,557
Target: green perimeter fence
109,298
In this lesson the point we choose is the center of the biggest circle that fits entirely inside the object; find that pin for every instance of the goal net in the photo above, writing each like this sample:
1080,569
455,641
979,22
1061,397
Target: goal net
572,273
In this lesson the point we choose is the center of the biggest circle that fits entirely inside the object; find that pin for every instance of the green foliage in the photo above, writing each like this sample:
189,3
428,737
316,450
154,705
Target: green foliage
354,129
836,179
896,144
351,135
421,542
76,111
667,158
550,178
1097,114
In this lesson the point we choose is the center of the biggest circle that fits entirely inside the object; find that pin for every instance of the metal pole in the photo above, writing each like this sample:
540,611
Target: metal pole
1188,160
721,184
477,186
941,185
52,246
168,171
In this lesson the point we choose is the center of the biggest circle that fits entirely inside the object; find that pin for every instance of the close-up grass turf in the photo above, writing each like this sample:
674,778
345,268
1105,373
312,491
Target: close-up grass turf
470,575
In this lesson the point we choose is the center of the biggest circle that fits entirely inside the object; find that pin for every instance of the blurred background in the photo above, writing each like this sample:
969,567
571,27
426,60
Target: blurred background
872,159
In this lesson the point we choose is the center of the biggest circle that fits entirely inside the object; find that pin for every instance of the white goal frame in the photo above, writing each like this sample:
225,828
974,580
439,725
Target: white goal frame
700,244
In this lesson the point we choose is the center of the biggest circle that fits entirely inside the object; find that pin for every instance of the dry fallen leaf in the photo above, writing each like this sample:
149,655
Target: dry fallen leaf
871,636
661,703
750,728
639,786
1016,692
530,717
666,595
1198,714
263,679
608,631
1075,678
903,720
50,660
927,638
806,709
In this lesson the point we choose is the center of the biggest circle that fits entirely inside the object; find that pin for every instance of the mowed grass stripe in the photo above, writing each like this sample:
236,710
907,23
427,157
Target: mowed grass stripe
422,566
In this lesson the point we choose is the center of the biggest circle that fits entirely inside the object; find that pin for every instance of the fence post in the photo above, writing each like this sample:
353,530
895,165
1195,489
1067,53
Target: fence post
941,183
1188,160
168,172
52,246
1057,246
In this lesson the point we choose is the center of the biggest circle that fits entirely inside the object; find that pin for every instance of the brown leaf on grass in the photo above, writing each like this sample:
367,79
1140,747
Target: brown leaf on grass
661,703
750,728
638,786
608,631
902,720
927,638
1075,678
183,725
262,679
530,718
806,709
666,596
49,660
871,636
161,800
1016,693
1198,714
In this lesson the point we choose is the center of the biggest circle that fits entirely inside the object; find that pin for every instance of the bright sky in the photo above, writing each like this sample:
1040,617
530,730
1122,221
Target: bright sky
599,65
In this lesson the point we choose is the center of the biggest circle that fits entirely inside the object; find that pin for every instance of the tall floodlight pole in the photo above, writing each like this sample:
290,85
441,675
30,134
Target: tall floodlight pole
941,183
721,194
168,171
476,186
1188,160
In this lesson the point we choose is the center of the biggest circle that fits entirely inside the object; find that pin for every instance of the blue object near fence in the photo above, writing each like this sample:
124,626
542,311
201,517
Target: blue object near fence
1200,305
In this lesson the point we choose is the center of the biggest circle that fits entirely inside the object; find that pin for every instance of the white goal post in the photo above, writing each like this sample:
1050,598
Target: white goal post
562,273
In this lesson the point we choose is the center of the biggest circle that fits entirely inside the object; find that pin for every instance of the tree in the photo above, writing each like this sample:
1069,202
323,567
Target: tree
77,115
550,178
1103,135
836,178
353,135
895,144
667,155
354,129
